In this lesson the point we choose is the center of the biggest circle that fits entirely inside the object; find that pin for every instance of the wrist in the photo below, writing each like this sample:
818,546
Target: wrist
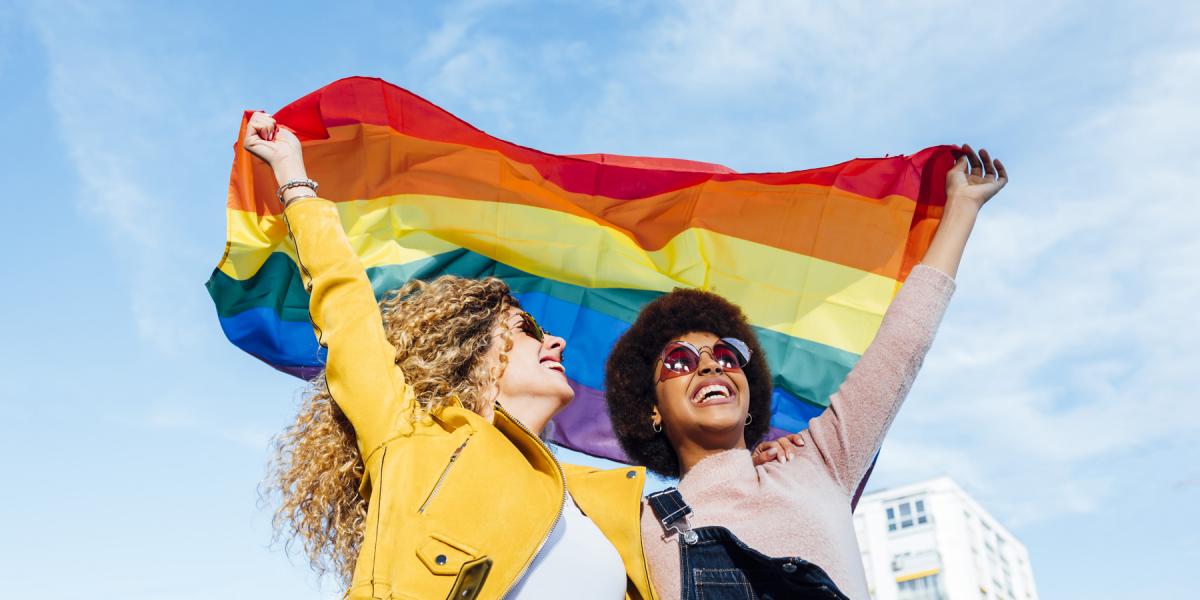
288,169
960,210
294,196
296,193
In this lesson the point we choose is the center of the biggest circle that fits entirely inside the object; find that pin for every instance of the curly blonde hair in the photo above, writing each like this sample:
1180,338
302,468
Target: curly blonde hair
442,332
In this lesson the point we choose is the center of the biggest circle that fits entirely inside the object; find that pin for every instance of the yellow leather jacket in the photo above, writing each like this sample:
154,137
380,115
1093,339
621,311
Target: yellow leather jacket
458,507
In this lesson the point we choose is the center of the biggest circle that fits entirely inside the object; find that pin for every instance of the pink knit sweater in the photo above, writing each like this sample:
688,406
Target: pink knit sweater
802,507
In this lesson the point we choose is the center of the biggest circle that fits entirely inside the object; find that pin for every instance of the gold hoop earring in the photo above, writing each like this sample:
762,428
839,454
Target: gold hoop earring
749,418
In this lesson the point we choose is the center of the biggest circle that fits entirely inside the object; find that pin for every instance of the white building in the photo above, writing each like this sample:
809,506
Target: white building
931,541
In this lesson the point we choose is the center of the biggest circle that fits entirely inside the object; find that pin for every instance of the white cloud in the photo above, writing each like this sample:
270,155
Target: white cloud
1071,335
117,115
458,22
1074,339
803,82
1070,341
474,72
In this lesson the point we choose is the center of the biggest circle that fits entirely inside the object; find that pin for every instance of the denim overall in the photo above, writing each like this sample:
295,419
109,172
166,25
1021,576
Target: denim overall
715,565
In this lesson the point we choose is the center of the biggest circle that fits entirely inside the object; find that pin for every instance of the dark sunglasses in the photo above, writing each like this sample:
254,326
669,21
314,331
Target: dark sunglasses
681,358
531,328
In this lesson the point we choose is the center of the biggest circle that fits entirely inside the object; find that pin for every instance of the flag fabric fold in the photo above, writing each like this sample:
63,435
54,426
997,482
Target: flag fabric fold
813,257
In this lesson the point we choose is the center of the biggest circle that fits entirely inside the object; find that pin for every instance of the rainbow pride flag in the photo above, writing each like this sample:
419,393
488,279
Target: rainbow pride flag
814,257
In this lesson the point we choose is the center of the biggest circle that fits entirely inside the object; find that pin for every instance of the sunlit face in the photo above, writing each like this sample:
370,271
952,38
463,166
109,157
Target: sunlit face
535,377
708,406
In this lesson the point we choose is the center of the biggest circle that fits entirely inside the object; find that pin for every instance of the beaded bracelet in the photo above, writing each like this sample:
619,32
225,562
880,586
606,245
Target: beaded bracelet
308,183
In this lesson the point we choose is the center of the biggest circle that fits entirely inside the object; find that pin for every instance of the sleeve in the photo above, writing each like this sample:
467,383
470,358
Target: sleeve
849,433
360,369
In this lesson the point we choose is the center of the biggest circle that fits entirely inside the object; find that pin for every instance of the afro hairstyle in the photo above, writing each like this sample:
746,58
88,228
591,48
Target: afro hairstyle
630,372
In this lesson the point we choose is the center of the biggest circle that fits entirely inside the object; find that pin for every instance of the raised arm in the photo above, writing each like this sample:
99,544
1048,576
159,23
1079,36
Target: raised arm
966,192
360,369
849,433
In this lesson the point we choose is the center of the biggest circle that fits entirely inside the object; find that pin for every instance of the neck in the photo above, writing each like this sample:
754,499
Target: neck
691,451
532,414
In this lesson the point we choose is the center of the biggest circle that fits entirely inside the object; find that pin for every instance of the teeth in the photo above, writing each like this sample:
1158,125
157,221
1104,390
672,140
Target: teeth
716,390
554,366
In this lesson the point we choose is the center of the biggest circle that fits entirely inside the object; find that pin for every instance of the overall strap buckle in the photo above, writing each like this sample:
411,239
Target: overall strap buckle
671,510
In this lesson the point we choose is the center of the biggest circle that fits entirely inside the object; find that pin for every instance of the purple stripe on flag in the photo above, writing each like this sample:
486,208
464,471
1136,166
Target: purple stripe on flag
584,425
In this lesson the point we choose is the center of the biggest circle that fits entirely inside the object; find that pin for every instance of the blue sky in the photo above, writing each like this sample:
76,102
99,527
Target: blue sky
1060,392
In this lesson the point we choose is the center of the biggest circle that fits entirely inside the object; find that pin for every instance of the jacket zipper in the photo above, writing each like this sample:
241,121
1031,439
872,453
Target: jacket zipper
562,502
446,471
378,515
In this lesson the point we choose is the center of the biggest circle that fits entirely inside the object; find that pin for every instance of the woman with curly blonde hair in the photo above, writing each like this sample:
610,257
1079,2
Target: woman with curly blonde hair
415,468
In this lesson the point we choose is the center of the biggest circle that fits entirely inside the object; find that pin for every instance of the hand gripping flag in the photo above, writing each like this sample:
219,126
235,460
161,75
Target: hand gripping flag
813,257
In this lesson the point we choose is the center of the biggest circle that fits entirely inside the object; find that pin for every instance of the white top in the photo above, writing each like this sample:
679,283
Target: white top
577,562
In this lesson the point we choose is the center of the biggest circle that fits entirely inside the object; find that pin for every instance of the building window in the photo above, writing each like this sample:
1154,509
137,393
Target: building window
906,514
928,587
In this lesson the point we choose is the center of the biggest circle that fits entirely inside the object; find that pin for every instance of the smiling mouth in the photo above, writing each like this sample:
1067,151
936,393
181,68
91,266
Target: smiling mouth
712,393
554,365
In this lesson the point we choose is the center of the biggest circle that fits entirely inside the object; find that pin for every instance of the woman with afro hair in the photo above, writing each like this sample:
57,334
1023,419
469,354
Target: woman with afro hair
689,392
